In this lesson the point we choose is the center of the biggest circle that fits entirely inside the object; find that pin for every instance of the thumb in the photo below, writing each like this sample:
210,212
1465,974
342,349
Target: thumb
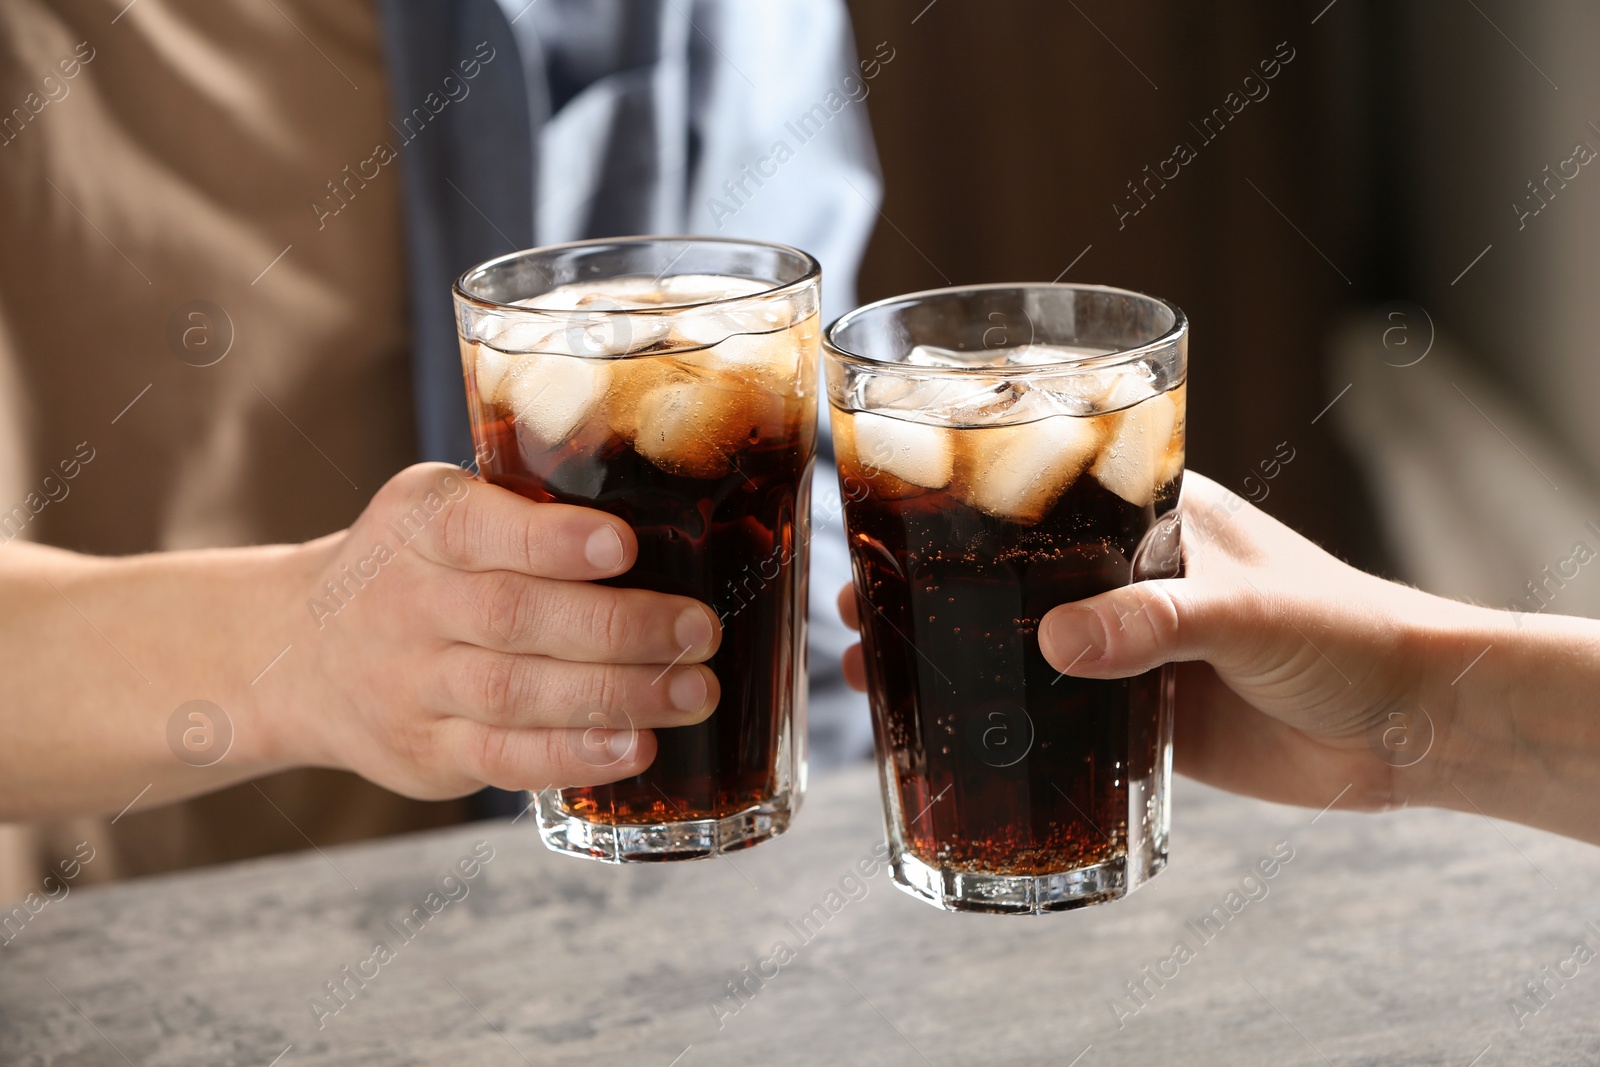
1128,631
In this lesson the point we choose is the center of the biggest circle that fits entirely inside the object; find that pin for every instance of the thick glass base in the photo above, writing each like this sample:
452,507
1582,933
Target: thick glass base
692,839
1019,894
1138,852
955,889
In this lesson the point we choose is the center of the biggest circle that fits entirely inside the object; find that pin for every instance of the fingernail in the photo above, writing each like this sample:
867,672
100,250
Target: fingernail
621,744
604,548
1072,637
693,630
688,690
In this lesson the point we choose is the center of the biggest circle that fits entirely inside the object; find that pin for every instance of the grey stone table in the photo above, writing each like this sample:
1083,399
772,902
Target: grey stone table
1401,939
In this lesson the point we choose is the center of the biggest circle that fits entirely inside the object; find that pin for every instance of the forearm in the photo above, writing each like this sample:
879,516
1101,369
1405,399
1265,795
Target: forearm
452,637
1523,740
99,655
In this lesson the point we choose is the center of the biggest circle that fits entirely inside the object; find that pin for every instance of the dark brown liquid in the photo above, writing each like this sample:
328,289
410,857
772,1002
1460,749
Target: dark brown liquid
731,542
999,763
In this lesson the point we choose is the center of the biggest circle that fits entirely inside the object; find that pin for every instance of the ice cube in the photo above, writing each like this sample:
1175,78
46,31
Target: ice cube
707,326
681,289
552,395
490,367
1037,355
561,298
694,426
852,466
632,292
1028,355
585,319
523,333
1172,466
977,401
957,400
608,293
1097,390
934,356
1131,463
913,452
1128,386
631,381
876,392
618,293
771,361
600,334
1019,472
1034,355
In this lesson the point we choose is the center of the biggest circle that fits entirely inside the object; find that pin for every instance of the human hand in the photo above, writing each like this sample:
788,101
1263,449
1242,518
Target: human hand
1300,678
472,647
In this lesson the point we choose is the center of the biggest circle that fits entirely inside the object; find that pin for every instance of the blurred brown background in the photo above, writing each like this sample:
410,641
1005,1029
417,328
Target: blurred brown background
1007,131
1427,155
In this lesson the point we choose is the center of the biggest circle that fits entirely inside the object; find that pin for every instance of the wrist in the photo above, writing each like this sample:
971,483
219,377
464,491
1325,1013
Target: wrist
275,668
1462,652
1520,741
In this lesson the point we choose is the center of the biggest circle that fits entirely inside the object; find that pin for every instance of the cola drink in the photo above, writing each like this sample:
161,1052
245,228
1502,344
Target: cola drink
686,405
980,493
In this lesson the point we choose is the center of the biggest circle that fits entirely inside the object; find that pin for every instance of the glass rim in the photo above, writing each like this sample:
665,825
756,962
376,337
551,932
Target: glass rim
1175,333
812,273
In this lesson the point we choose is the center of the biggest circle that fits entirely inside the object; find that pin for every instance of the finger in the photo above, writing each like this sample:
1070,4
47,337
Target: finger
470,525
1219,525
503,689
855,668
576,621
848,608
1128,631
544,759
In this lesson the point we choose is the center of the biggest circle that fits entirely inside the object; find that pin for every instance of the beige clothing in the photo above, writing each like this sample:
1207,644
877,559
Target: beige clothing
151,159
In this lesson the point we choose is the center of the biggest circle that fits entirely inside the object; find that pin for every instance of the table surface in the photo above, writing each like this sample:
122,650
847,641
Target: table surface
1398,939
